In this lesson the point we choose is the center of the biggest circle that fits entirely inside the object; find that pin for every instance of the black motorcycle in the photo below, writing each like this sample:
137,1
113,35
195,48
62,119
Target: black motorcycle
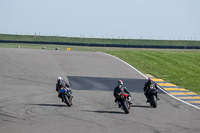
152,94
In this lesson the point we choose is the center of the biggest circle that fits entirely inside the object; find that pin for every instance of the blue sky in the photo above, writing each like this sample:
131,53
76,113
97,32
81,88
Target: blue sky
146,19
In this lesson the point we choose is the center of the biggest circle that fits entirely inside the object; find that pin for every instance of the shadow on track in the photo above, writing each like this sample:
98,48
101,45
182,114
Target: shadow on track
108,112
49,105
140,106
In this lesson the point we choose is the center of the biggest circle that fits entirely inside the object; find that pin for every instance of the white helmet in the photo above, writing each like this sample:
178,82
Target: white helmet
59,78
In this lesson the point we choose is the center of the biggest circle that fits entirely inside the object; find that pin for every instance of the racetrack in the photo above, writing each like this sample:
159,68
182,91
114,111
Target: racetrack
29,102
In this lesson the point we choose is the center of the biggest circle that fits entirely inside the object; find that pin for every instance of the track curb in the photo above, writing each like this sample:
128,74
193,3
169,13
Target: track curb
192,101
179,93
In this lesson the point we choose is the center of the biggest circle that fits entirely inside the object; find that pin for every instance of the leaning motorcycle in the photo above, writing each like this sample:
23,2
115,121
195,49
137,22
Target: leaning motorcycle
66,96
124,101
153,96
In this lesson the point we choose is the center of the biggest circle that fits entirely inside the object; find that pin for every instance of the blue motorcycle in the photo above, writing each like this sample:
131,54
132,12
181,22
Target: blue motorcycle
66,96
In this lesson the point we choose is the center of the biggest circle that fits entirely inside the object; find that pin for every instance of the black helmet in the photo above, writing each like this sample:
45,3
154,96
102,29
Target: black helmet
150,80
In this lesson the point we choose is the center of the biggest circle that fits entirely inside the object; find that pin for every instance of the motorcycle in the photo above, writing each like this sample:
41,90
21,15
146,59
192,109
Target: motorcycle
153,96
124,102
66,96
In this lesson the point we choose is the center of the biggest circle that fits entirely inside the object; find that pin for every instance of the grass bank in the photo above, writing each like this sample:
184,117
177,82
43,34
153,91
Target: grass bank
99,41
178,67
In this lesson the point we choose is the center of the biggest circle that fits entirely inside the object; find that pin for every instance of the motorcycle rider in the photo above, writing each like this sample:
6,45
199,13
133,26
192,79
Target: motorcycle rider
147,88
61,83
120,88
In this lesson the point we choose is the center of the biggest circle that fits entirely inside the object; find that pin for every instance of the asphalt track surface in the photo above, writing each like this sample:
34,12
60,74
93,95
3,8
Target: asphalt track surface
29,102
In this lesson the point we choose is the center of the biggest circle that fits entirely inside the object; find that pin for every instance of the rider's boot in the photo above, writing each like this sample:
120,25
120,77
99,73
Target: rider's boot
148,100
119,104
129,100
157,97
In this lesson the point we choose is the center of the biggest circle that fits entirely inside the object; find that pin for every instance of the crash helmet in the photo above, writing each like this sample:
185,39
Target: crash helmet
120,82
59,79
150,80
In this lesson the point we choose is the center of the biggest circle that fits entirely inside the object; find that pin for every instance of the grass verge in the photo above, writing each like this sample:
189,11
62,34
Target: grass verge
99,40
178,67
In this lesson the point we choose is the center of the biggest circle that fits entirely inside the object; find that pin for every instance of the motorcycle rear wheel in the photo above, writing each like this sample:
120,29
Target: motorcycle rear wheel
67,101
125,107
153,101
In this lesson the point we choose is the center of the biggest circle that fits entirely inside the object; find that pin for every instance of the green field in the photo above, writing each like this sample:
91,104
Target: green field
99,41
180,67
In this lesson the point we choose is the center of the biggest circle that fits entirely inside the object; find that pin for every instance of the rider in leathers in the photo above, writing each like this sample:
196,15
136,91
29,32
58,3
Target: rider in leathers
61,83
147,88
120,88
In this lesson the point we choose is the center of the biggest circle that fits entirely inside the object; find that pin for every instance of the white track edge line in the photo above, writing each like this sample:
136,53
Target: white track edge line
158,85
